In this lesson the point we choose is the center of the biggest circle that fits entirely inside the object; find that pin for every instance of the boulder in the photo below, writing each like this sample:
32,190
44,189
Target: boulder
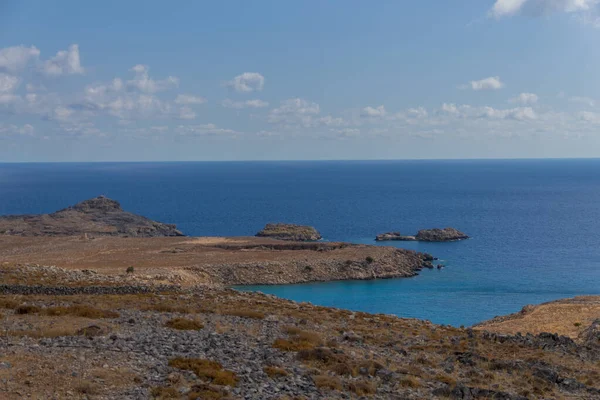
300,233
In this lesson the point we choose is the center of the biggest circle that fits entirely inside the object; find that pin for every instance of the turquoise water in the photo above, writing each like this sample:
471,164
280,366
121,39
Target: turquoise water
535,223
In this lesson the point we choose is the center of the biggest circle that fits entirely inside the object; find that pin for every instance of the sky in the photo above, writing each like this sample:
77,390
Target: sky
298,80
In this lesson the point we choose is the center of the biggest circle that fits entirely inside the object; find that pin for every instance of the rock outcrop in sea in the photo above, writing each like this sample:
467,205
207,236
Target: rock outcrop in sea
99,216
426,235
298,233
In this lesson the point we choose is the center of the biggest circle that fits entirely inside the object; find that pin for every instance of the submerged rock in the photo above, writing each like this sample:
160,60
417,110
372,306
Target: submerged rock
300,233
426,235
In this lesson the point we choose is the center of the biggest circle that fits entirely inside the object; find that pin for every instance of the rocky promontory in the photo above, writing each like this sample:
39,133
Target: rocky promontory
297,233
426,235
99,216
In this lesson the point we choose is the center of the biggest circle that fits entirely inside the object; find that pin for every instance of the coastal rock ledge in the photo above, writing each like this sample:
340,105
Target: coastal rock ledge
297,233
426,235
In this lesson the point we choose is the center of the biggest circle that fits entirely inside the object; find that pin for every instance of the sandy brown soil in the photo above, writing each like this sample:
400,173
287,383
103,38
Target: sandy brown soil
221,261
568,317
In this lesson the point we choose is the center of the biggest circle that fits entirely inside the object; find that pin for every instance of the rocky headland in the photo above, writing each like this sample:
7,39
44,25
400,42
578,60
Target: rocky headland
297,233
99,216
426,235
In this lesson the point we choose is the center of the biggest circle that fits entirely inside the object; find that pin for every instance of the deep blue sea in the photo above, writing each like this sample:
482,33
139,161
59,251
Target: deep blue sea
535,224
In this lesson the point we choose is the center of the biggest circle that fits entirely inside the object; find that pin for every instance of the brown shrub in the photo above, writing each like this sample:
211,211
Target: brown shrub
274,372
362,388
447,379
24,309
167,308
244,313
328,382
184,324
44,333
80,311
8,303
87,387
301,340
206,369
409,382
164,393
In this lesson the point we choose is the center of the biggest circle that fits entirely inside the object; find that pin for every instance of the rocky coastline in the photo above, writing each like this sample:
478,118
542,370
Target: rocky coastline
425,235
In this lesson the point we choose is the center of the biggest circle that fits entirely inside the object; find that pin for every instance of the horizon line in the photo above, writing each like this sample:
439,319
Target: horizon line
304,160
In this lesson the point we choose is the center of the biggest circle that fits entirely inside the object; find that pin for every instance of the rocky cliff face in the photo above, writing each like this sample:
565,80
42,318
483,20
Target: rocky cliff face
298,233
99,216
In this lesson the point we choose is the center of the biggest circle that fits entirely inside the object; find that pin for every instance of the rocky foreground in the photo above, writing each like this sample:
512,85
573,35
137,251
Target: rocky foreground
99,216
80,334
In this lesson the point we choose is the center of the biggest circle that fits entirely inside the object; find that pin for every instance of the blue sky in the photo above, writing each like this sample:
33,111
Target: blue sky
240,80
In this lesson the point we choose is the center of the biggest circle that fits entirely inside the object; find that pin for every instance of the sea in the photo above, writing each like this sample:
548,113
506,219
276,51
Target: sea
535,224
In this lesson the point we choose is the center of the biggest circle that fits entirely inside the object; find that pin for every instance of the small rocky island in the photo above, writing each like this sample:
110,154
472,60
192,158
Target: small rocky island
426,235
297,233
99,216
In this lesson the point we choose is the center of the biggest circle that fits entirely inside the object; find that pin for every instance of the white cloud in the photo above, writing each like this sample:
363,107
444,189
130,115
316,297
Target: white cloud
186,113
189,99
8,83
590,117
583,100
256,103
24,130
491,83
204,130
470,112
374,111
15,58
63,113
507,8
247,82
144,83
294,110
65,62
525,98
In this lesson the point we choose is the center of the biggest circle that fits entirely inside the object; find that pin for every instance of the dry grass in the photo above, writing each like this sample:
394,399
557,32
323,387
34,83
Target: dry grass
26,309
243,313
206,369
328,382
164,393
167,308
275,372
299,340
184,324
8,303
409,382
87,388
44,333
80,311
362,387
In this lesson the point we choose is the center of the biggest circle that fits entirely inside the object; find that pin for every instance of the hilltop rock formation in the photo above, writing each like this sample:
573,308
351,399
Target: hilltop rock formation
426,235
99,216
298,233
